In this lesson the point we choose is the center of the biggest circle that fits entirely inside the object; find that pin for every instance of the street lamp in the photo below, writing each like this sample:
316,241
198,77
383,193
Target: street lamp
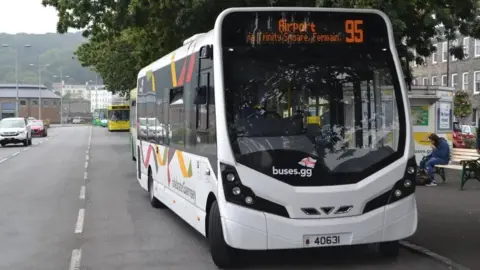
40,105
17,113
61,93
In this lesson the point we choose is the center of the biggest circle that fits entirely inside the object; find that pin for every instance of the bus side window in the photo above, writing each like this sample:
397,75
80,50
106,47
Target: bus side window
202,103
176,116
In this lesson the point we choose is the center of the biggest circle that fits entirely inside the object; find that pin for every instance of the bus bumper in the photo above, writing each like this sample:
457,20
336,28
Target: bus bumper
253,230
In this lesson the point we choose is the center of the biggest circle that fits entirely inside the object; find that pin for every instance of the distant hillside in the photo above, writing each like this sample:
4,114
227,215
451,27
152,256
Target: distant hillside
52,49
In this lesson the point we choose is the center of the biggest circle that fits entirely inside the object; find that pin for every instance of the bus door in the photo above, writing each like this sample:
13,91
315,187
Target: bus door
205,144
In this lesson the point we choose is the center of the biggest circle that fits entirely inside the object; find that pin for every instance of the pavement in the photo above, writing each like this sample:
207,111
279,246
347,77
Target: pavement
449,220
72,202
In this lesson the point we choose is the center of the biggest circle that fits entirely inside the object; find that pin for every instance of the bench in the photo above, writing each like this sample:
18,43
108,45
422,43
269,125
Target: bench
465,160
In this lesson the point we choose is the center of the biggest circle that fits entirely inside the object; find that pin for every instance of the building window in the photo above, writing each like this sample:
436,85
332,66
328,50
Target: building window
477,47
34,102
23,102
466,47
455,44
46,102
435,54
434,80
425,81
454,81
444,80
476,82
414,81
465,81
444,51
474,117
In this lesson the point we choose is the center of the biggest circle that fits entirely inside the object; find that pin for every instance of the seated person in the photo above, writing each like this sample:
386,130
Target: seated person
439,156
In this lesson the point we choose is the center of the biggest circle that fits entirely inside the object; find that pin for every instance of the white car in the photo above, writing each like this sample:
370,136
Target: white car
77,120
15,130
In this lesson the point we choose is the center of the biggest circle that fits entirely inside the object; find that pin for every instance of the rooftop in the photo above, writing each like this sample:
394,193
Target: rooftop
26,91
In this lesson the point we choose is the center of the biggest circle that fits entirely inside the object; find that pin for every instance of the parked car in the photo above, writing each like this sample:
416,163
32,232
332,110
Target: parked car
39,128
15,130
469,131
457,136
77,120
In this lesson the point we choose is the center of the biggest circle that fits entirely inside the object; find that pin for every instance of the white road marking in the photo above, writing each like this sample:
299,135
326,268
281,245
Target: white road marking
433,255
80,219
87,157
75,260
86,164
25,149
3,160
16,153
85,175
82,193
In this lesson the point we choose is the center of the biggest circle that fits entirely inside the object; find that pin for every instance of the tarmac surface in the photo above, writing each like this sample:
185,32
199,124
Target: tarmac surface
73,202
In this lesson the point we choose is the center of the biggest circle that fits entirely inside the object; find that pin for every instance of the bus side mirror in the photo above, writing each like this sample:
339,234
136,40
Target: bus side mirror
206,52
200,95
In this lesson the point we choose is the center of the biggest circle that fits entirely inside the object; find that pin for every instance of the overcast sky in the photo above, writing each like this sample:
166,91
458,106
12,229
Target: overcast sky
27,16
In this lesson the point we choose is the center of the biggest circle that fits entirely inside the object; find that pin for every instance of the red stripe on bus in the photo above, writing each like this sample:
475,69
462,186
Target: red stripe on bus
190,67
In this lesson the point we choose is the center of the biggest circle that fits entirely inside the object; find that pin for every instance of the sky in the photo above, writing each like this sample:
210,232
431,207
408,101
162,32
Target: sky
27,16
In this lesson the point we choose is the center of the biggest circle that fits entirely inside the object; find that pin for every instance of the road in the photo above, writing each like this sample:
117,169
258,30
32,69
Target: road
64,206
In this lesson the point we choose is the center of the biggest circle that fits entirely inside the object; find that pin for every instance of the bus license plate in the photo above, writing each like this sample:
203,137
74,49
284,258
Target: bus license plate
325,240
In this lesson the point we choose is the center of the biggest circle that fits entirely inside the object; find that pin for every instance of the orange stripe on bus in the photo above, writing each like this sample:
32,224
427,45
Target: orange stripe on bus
174,72
183,168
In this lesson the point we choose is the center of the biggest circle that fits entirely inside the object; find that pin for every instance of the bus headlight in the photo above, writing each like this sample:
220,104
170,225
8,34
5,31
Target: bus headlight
230,177
406,186
400,190
237,193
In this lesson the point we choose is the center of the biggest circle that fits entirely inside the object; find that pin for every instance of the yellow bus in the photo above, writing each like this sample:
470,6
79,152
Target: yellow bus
133,122
119,117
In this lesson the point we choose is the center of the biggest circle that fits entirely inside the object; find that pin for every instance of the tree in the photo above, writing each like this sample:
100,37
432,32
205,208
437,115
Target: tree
127,35
462,106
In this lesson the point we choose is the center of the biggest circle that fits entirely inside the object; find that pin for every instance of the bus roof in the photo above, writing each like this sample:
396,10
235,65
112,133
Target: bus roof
198,41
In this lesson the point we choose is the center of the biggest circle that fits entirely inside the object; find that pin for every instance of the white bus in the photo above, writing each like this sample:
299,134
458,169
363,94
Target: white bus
282,128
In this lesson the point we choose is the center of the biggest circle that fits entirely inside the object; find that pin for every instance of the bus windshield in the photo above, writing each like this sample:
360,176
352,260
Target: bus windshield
119,115
294,101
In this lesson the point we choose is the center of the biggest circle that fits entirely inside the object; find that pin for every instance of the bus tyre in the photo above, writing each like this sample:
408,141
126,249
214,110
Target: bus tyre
222,255
153,201
389,249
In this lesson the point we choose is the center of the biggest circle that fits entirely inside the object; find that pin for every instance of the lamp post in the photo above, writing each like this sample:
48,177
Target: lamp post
40,105
17,113
96,92
61,93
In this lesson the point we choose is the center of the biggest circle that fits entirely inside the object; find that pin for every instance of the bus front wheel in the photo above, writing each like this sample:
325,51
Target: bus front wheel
222,255
154,202
389,249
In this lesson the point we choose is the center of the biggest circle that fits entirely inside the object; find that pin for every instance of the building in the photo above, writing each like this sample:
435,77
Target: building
29,102
443,69
100,99
76,91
